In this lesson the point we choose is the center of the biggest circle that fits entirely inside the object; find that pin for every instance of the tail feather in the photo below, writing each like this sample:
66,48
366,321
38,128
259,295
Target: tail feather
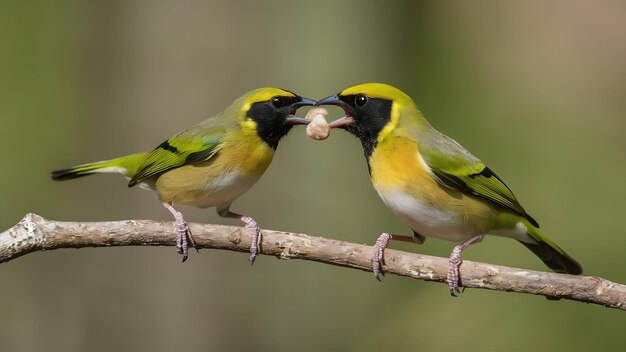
126,165
551,254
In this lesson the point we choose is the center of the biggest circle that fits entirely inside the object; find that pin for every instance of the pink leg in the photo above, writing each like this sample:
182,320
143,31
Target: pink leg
378,251
455,261
183,234
377,255
251,224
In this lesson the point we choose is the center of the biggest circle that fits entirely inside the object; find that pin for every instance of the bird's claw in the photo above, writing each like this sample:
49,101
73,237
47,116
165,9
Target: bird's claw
256,237
378,258
183,238
455,262
453,276
183,233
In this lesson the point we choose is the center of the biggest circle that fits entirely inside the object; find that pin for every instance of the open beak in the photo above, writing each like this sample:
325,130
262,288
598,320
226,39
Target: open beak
347,109
295,120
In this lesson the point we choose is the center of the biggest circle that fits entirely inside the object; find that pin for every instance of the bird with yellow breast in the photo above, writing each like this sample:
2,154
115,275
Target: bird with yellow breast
212,163
433,184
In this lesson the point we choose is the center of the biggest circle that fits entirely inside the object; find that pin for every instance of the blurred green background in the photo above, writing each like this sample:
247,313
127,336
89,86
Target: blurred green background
534,88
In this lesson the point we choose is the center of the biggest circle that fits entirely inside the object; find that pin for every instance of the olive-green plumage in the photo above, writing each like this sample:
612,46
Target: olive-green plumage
213,162
430,181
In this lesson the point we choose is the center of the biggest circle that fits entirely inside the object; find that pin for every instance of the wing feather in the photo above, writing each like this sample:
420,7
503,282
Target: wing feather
188,147
456,168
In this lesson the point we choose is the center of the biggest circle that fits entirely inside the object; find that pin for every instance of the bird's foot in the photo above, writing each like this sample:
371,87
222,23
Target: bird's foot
256,237
378,254
184,238
250,224
453,275
183,234
454,263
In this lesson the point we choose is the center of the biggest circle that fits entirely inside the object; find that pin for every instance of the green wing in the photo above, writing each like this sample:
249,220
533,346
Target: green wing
456,168
194,145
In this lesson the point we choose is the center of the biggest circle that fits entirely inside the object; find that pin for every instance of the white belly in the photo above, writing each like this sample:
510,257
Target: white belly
224,189
427,219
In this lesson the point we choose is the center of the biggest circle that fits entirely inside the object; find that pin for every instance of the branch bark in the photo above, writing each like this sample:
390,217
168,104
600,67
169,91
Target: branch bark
34,233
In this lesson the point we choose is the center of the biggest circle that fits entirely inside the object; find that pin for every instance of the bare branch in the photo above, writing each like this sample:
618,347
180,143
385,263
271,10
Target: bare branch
34,233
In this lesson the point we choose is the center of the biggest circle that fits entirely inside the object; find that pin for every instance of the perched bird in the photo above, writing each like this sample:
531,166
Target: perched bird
212,163
432,183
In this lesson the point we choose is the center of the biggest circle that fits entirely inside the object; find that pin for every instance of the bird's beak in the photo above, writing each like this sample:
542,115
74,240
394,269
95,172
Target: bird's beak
347,109
305,102
295,120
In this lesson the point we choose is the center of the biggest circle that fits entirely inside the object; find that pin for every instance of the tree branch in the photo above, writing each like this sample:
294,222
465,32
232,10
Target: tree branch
34,233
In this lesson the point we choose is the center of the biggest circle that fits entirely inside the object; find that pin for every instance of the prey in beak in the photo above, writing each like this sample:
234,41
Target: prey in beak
295,120
344,121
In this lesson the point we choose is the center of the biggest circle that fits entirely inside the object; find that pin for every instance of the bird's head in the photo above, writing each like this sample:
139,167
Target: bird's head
371,111
270,112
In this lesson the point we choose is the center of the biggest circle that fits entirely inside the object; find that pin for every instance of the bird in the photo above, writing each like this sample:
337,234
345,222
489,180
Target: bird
211,163
432,183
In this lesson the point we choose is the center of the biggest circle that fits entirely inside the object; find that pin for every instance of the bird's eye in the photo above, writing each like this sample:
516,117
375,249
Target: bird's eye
360,100
278,102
